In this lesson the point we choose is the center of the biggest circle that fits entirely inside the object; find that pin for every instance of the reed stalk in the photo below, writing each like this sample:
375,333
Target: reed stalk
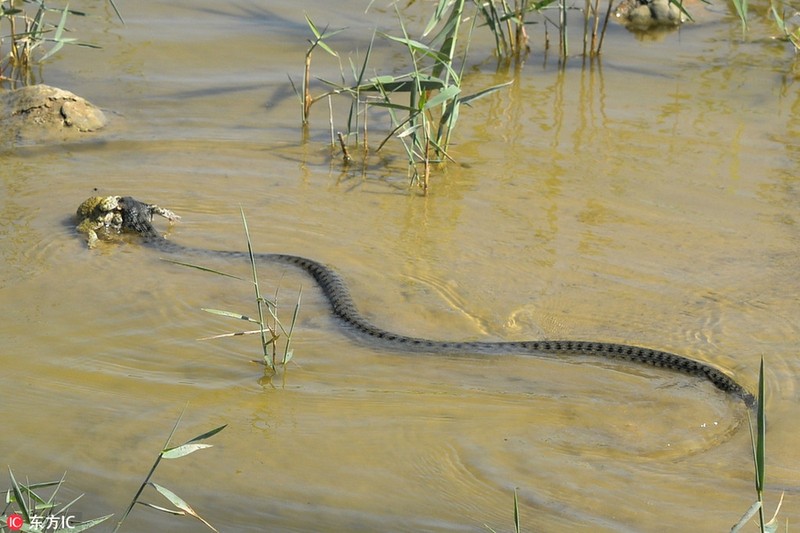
28,31
758,437
171,452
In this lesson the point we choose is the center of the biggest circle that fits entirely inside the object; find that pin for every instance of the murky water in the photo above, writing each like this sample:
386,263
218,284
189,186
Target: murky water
650,199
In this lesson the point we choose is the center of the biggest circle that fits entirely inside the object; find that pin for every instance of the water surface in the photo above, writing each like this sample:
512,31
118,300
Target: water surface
650,198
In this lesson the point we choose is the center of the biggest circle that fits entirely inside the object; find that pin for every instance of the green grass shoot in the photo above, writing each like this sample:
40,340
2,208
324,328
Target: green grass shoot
758,438
270,328
37,511
172,452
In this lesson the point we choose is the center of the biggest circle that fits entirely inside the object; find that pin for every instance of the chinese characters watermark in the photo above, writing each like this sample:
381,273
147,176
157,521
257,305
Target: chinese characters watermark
56,522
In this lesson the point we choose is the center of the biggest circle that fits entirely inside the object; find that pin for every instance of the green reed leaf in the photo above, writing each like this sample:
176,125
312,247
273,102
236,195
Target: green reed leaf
183,450
761,436
204,269
230,314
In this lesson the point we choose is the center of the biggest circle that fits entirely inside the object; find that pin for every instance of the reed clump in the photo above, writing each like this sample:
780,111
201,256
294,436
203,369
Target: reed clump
422,103
26,29
28,508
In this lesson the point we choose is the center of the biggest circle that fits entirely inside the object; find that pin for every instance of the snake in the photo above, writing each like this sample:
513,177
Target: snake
137,218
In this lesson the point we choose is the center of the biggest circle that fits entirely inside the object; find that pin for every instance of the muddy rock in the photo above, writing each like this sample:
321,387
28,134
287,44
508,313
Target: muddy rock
40,113
647,15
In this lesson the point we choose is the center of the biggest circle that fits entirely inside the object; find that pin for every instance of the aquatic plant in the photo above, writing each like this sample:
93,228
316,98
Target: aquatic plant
758,437
517,522
319,41
27,509
270,328
789,25
788,22
431,85
172,452
29,30
508,23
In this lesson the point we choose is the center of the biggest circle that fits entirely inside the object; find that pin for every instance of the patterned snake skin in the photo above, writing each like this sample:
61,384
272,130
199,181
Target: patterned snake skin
137,217
338,295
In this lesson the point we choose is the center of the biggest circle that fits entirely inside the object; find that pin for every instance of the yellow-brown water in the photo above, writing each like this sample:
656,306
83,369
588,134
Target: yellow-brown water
650,199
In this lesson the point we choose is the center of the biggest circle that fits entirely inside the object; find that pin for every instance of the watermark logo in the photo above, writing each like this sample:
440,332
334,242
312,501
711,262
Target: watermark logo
14,522
59,522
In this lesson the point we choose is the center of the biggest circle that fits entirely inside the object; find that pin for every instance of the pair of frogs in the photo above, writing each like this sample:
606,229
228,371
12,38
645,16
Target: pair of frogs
110,215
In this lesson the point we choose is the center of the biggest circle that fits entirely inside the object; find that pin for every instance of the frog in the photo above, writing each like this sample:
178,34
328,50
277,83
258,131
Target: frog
115,214
99,213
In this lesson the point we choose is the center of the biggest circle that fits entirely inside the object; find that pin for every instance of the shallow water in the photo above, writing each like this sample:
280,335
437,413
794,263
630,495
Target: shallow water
651,199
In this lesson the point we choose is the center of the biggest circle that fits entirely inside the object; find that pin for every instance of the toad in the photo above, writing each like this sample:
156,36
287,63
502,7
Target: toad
99,213
113,214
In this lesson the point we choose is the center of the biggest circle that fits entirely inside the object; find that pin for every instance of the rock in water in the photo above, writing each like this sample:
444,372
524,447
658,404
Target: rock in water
645,15
42,113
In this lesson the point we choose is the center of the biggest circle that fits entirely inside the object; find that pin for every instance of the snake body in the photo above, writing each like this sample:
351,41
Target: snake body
338,295
137,217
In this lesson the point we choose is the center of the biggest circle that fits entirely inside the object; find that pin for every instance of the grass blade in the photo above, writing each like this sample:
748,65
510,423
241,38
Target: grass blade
207,434
444,95
287,352
484,92
162,509
319,36
204,269
741,10
173,498
184,449
23,509
180,503
230,314
761,435
59,42
235,334
745,519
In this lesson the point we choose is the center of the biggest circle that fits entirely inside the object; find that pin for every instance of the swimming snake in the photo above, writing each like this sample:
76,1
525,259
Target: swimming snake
137,216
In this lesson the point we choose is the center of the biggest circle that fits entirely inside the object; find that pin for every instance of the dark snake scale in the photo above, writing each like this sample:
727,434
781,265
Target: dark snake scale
338,295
